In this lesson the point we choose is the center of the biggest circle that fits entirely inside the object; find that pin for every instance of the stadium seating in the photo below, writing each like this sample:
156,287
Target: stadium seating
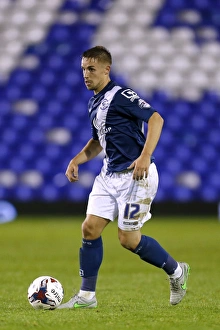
169,53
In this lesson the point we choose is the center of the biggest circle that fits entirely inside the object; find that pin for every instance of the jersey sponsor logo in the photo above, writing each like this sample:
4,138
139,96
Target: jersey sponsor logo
143,104
100,126
100,122
130,94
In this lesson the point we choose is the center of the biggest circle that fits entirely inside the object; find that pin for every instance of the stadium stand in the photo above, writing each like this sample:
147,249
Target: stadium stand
169,52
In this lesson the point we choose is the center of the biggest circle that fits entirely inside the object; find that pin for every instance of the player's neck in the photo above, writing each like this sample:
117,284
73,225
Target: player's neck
102,86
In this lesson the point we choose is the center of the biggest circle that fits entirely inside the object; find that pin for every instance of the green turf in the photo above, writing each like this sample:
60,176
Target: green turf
131,294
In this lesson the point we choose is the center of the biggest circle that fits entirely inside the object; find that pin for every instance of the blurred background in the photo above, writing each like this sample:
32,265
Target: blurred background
167,50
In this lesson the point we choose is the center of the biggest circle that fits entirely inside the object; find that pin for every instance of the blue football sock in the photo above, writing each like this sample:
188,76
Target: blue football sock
170,265
152,252
91,254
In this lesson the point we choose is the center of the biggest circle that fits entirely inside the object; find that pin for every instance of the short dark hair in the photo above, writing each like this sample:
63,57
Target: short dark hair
100,53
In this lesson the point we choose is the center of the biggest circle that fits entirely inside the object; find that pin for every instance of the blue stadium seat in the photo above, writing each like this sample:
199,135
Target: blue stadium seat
207,109
13,92
177,4
208,152
201,4
173,123
198,122
161,195
21,77
4,193
36,136
19,122
167,138
9,136
5,106
38,92
17,164
76,192
214,138
167,179
56,63
52,152
209,194
182,194
77,5
183,153
199,164
4,154
23,193
44,121
173,165
43,165
168,19
181,109
64,93
50,193
59,33
48,78
27,151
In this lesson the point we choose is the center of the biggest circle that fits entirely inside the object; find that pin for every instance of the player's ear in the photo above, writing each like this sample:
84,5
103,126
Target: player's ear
107,69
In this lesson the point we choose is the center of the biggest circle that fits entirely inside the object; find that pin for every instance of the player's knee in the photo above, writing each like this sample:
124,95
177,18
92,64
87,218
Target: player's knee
127,240
88,231
125,244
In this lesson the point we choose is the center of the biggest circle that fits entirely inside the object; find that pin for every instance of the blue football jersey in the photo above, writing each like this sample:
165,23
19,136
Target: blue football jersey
117,115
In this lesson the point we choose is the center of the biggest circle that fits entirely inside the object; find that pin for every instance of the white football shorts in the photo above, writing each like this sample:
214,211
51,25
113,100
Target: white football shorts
119,196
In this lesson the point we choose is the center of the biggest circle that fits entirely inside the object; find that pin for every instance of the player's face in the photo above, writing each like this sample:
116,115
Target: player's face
95,73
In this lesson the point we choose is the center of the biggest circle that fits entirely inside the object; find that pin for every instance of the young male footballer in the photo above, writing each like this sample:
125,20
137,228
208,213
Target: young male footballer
127,183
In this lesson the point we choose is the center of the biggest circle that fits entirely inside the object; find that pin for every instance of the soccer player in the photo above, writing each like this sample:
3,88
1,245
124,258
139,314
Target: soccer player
127,183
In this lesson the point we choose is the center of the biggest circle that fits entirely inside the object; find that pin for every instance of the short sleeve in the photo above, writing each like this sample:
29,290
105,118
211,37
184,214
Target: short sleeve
129,103
94,133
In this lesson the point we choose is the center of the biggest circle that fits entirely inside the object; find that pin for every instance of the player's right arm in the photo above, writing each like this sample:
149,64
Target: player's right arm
90,151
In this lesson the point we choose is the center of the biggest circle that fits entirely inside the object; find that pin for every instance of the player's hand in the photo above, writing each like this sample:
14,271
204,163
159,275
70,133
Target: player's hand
141,167
72,172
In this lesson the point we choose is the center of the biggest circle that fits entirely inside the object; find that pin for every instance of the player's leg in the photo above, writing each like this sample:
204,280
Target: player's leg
90,259
134,211
101,210
150,251
91,253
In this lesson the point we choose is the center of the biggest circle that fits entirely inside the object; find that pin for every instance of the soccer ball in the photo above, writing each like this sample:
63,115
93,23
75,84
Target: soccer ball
45,292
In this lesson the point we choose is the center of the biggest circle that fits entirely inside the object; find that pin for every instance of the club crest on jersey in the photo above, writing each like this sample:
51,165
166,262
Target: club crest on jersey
143,104
104,105
130,94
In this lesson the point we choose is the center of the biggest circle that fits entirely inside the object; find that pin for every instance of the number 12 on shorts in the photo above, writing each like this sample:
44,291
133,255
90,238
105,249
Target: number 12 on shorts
131,210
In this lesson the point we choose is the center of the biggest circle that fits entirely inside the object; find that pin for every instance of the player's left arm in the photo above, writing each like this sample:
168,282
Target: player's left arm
91,150
142,163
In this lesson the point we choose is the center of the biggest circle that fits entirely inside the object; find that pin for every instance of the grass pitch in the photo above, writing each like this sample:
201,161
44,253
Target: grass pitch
131,294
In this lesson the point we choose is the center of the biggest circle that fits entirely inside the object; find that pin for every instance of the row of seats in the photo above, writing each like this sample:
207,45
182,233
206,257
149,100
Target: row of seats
43,101
175,46
53,192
